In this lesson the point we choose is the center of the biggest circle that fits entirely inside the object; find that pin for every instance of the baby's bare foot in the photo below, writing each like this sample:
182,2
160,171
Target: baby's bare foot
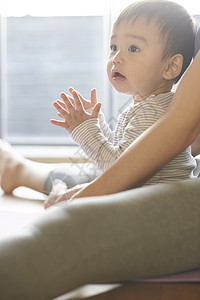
15,170
11,164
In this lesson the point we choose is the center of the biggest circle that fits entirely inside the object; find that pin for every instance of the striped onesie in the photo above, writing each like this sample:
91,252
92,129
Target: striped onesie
104,146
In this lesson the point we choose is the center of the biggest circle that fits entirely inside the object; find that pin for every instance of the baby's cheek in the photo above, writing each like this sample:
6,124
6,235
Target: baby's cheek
108,69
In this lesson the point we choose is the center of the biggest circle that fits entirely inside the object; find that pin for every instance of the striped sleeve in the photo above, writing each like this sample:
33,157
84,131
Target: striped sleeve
89,137
93,136
99,150
104,126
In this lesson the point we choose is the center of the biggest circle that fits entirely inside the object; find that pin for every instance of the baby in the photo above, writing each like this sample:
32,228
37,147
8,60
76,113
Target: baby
151,46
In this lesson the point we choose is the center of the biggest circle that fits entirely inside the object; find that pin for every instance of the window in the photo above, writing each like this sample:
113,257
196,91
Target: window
43,55
46,47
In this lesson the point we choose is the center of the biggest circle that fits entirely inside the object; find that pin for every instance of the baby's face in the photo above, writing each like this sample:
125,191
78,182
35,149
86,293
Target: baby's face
135,63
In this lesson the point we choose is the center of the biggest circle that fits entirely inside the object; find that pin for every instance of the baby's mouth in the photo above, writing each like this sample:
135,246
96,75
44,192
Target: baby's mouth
118,76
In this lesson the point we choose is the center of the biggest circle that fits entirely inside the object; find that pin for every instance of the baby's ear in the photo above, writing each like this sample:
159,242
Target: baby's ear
173,67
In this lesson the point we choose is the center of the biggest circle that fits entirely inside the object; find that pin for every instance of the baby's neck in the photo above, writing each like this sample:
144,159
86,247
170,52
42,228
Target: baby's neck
162,90
137,99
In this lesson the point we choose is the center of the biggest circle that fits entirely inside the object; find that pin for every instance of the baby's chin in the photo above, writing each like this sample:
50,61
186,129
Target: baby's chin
121,89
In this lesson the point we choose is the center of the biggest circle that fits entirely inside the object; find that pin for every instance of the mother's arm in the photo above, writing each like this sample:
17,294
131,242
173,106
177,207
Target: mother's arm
168,137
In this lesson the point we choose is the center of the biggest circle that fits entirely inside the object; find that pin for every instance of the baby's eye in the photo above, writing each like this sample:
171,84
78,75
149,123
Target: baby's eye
113,48
133,48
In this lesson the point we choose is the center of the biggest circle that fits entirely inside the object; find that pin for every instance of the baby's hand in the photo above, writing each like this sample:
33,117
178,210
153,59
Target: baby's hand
60,196
86,104
73,111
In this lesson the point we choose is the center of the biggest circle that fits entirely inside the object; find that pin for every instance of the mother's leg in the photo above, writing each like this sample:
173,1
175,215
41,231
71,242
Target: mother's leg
141,233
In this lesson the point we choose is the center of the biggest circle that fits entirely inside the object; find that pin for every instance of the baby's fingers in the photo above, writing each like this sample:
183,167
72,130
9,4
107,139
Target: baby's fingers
67,101
93,97
60,107
61,103
58,123
61,116
72,91
78,101
96,110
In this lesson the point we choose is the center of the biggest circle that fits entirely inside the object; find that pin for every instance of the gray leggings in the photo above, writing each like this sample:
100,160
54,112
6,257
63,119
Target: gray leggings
71,174
140,233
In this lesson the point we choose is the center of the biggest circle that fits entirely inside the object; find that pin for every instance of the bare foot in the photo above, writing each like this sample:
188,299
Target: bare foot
10,165
18,171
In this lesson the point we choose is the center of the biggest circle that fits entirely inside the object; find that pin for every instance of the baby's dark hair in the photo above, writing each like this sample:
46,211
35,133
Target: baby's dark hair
177,27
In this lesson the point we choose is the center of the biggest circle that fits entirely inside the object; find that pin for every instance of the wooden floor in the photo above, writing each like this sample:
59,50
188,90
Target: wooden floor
25,205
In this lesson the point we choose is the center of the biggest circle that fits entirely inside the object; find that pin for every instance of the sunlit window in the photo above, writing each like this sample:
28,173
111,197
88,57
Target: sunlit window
48,46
